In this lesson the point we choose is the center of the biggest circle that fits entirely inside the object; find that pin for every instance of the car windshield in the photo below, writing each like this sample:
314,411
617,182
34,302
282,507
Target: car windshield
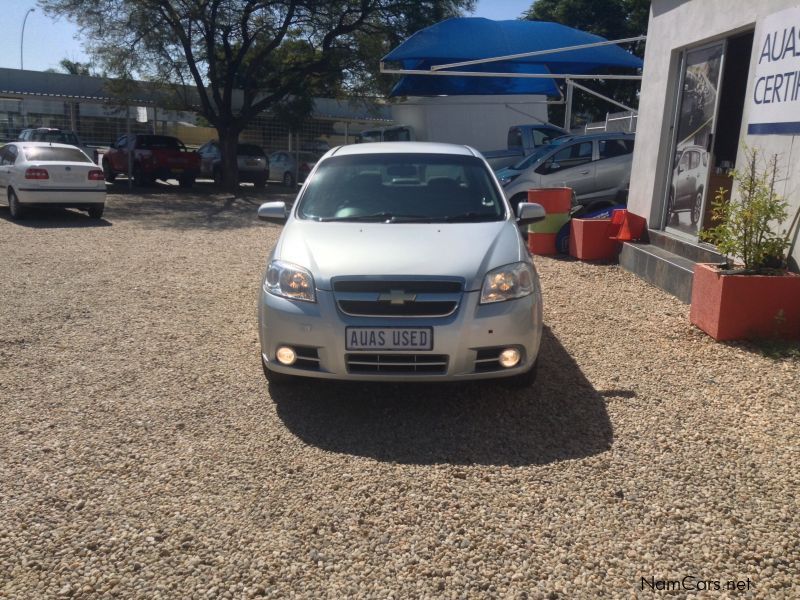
539,153
57,137
402,188
54,154
249,150
159,141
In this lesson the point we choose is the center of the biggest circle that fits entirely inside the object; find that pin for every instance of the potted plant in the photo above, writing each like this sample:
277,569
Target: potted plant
753,294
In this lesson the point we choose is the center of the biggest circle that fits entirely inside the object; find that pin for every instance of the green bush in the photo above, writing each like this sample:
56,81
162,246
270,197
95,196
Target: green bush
749,226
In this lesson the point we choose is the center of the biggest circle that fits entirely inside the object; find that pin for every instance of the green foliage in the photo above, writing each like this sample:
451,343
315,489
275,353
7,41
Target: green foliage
749,226
229,60
611,19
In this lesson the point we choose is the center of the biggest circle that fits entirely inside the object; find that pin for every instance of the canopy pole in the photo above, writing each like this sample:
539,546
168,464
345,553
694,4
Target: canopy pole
568,110
601,96
510,75
481,61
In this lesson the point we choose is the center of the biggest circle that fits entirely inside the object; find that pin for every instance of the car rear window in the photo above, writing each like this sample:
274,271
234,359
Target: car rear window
54,154
249,150
159,141
402,187
56,137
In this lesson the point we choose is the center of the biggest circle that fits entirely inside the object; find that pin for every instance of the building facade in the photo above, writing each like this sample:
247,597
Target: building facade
718,74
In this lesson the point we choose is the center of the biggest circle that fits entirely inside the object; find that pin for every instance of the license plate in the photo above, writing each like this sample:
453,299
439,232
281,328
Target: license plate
389,338
251,162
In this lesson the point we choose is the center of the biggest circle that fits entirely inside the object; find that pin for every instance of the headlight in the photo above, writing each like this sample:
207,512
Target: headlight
507,283
289,281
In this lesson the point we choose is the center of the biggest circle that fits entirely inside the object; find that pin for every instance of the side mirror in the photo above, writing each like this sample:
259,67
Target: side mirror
528,212
274,212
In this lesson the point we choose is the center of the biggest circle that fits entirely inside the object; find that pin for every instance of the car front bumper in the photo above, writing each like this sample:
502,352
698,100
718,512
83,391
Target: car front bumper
460,337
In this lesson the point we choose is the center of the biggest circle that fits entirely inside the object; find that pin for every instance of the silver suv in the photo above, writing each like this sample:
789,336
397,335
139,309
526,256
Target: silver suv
400,261
596,166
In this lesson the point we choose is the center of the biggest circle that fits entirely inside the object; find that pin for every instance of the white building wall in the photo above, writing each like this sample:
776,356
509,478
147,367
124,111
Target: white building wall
674,25
478,121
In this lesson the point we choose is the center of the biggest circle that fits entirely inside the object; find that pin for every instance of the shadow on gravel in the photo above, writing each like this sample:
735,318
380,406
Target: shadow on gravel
54,218
562,417
204,206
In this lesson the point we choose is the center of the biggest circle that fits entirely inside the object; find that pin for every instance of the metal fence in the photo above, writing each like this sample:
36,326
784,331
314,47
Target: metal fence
622,121
99,125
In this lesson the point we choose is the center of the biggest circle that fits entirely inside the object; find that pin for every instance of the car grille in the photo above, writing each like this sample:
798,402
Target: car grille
398,297
397,363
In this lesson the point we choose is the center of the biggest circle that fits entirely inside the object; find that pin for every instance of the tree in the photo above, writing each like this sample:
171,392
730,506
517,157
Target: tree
241,57
73,67
611,19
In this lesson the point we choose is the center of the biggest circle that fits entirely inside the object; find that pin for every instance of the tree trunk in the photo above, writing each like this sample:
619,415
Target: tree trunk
228,141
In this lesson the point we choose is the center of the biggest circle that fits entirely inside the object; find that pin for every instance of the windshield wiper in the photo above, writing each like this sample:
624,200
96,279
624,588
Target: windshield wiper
382,217
469,217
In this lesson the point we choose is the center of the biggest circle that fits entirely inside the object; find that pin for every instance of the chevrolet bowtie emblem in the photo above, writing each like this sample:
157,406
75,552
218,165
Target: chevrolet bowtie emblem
397,297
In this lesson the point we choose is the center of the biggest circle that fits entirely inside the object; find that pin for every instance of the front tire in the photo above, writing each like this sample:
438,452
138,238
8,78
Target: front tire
276,379
139,178
523,380
15,207
186,181
698,206
96,211
108,173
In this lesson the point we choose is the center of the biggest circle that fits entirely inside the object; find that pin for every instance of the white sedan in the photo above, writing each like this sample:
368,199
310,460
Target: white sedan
39,173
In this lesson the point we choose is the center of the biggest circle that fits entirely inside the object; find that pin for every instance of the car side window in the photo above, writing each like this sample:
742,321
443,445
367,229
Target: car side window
612,148
541,137
571,156
515,137
695,160
8,155
684,163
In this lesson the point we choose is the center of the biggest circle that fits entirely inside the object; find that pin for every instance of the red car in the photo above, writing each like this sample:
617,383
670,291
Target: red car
151,157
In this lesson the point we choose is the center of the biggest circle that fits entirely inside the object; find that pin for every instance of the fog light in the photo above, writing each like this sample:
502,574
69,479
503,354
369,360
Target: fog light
286,356
509,357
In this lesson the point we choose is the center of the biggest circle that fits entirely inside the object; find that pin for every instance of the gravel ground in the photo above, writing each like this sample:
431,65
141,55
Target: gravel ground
142,454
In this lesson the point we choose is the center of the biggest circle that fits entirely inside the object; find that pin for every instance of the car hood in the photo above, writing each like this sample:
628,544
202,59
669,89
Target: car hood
507,173
465,250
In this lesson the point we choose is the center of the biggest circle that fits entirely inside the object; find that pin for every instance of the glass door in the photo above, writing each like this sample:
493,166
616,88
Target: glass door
693,135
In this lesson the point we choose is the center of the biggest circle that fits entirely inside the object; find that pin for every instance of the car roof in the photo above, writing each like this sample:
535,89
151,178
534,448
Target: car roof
403,148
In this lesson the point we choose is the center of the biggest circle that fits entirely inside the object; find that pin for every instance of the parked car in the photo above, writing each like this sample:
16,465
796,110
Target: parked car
522,140
251,161
688,182
39,173
282,166
351,291
395,133
58,136
153,157
596,166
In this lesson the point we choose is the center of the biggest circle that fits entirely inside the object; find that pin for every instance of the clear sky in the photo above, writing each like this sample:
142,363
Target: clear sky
47,41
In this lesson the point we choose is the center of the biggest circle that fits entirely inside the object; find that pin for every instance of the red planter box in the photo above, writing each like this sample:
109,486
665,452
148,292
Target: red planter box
542,243
554,200
735,307
588,239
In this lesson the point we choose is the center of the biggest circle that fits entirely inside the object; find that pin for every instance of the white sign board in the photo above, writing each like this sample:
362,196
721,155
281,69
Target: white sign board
775,100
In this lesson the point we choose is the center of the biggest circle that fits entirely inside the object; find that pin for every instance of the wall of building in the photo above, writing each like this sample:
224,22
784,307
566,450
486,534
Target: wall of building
674,25
478,121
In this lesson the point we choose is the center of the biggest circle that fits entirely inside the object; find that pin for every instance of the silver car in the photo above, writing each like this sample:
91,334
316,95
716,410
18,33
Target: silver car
596,166
400,261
